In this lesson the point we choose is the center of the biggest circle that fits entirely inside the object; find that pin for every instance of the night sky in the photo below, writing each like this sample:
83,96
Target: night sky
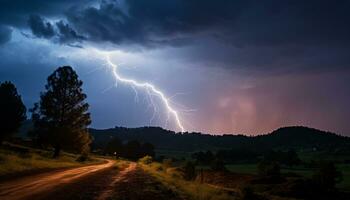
243,66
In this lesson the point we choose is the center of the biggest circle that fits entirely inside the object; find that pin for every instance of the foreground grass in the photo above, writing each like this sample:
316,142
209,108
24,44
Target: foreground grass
187,189
14,162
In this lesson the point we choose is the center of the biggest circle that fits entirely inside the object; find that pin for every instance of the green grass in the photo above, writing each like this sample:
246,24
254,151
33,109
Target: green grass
12,162
242,168
187,189
308,156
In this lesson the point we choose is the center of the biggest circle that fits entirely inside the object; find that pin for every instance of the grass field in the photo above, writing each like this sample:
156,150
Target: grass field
187,189
306,172
14,162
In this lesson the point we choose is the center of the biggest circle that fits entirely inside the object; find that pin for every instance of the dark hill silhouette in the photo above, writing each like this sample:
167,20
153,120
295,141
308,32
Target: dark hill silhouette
283,138
296,137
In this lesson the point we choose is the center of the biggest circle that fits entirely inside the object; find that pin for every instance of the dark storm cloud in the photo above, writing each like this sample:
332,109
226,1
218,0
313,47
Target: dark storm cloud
5,34
252,34
150,23
40,28
67,34
160,23
16,12
237,22
60,31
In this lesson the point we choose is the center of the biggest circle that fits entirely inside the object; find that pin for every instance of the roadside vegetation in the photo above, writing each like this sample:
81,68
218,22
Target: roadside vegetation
59,123
277,174
17,160
181,179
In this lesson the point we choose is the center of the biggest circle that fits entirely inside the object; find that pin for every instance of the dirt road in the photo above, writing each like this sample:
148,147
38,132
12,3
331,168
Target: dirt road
25,187
96,182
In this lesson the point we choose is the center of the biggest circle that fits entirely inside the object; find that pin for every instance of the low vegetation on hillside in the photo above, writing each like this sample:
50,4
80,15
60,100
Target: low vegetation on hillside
269,181
298,138
181,179
16,160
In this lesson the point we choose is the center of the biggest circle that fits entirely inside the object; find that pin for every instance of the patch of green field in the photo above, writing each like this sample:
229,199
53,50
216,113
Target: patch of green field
324,156
12,162
242,168
302,171
173,154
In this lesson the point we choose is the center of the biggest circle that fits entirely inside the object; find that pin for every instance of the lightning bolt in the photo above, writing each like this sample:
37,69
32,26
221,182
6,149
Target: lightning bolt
149,88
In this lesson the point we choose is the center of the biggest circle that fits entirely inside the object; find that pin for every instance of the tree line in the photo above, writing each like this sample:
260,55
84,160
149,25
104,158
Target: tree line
132,149
243,155
60,117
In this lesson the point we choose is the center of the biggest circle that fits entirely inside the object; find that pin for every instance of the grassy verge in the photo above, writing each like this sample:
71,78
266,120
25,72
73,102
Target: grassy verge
27,160
121,164
187,189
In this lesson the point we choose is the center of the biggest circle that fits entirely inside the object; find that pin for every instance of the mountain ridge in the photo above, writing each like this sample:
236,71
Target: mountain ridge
284,137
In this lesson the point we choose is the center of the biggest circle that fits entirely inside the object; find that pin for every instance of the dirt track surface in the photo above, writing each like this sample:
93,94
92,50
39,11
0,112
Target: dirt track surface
25,188
98,182
136,184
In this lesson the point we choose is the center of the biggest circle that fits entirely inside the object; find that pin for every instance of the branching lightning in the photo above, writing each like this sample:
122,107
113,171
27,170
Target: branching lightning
150,89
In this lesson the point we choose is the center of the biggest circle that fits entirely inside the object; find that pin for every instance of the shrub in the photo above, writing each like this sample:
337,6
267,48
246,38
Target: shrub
167,162
82,158
175,172
146,160
327,176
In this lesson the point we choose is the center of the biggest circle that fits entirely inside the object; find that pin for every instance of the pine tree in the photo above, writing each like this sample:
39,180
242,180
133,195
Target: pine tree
62,116
12,110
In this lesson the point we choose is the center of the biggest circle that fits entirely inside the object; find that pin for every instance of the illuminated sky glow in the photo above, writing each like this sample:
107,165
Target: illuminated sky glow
219,67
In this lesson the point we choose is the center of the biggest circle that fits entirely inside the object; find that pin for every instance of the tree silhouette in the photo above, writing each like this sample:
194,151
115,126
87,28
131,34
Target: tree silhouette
147,149
189,170
12,110
114,147
132,150
327,176
62,115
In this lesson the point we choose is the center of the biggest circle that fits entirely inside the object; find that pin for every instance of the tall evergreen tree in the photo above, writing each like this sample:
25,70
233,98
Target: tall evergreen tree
62,116
12,110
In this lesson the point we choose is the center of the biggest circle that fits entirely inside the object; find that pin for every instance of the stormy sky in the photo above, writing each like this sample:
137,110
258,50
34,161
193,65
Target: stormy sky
243,66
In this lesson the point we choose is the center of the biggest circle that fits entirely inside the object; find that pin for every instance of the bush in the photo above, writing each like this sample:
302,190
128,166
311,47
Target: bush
167,162
175,172
146,160
327,176
82,158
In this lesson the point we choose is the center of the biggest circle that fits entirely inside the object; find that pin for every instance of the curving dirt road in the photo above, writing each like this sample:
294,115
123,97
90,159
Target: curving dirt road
96,182
25,187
